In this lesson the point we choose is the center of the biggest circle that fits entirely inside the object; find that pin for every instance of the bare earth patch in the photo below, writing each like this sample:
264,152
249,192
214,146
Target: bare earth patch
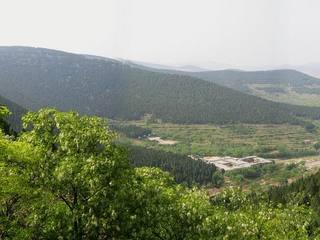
162,142
311,163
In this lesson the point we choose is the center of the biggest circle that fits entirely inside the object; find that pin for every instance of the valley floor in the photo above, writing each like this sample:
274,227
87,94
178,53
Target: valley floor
237,140
290,147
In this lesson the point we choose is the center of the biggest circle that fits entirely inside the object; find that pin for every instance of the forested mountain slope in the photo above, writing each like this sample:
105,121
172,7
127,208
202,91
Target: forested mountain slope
184,169
283,85
304,191
287,86
241,80
36,78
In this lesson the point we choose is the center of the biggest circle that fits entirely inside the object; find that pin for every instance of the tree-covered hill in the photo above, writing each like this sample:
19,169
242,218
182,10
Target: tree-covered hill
241,80
288,86
282,85
305,190
35,78
182,168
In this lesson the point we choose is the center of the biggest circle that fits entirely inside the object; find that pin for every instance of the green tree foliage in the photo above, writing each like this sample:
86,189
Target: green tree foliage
310,127
4,113
80,166
218,179
63,178
317,146
184,169
165,210
131,131
303,191
244,216
14,119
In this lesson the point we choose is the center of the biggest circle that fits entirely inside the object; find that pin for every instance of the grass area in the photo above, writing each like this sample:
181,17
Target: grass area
272,141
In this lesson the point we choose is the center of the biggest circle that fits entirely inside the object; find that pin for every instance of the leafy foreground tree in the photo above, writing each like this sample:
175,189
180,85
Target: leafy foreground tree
4,113
63,178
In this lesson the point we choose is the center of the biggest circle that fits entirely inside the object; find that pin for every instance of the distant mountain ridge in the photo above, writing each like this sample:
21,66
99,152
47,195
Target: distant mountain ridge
238,79
37,77
281,85
284,85
187,68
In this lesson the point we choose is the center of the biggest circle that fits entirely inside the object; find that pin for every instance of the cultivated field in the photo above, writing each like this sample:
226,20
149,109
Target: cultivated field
238,140
286,94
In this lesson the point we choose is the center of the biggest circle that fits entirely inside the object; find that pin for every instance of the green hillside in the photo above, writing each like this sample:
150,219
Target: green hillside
36,78
184,169
304,192
284,85
287,86
238,79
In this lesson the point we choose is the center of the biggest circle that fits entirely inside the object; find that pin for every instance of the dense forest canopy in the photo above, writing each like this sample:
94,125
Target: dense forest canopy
305,190
182,168
282,85
240,80
35,78
64,178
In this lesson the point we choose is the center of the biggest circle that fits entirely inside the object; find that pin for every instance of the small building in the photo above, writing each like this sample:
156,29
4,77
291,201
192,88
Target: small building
231,163
307,142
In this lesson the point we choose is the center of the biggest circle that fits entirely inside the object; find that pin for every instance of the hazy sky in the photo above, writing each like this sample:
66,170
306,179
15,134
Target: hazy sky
200,32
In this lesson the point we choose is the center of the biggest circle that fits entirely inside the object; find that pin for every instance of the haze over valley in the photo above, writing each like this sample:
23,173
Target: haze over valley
159,120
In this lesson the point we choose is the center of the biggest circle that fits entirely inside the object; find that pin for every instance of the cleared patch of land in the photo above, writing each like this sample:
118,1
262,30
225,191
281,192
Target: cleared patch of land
264,176
230,163
285,145
311,163
277,173
161,141
237,140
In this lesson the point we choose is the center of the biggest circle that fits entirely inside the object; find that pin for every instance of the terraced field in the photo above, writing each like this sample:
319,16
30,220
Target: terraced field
278,141
287,94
